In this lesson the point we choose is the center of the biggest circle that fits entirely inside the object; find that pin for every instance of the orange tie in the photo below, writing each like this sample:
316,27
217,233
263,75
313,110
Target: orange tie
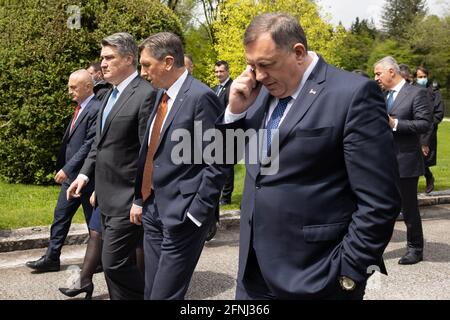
146,188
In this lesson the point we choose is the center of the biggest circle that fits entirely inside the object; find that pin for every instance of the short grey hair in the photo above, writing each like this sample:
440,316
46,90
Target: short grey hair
165,44
388,63
284,29
84,75
124,43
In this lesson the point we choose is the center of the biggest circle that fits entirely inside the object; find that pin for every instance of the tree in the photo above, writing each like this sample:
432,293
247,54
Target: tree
235,15
38,51
399,15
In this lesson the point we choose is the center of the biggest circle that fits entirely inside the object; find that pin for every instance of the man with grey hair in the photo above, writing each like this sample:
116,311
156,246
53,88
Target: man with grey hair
76,144
316,228
409,113
176,199
113,161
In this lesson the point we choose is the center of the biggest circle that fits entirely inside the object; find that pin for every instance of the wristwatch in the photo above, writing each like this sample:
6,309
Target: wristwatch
346,283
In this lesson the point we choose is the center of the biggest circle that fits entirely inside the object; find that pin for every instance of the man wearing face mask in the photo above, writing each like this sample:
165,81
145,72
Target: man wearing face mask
429,140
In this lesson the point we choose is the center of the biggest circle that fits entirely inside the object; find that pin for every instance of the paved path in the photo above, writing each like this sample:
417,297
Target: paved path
215,275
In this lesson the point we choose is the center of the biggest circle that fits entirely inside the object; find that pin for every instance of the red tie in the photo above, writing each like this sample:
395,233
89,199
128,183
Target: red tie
146,188
77,109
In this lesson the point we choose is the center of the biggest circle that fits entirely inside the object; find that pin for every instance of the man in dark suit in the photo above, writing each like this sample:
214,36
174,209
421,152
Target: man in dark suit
315,225
113,161
101,87
177,193
76,144
409,112
222,90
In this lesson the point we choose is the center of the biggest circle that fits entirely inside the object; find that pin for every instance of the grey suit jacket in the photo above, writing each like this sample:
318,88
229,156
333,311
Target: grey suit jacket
412,109
114,154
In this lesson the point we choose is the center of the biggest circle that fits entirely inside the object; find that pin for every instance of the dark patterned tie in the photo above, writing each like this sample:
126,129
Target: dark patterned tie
275,119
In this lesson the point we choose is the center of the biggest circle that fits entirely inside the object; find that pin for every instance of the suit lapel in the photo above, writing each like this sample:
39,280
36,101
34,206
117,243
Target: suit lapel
179,100
120,103
80,118
310,92
403,93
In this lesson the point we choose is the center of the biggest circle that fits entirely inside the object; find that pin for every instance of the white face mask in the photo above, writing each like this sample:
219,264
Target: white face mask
422,82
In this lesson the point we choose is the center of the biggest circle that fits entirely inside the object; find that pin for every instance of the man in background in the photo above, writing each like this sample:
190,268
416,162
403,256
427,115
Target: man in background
76,144
101,87
189,63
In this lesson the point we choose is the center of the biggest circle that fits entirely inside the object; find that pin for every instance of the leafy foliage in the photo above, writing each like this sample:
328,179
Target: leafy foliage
38,51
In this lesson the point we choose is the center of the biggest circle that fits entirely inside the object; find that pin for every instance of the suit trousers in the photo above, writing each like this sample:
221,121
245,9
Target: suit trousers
411,214
120,240
229,183
171,255
64,212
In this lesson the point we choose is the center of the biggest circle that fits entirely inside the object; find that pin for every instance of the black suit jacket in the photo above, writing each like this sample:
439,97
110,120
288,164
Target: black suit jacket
225,93
114,154
194,185
330,208
77,143
412,109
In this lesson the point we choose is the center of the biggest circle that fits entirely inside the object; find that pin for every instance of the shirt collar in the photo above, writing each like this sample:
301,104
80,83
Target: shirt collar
399,86
86,101
172,92
121,86
225,82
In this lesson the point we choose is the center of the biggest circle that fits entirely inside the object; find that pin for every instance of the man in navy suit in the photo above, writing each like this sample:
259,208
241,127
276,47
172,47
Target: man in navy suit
409,110
316,226
176,195
76,144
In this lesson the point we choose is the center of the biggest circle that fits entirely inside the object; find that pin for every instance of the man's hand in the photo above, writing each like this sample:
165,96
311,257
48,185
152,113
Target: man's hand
243,91
60,177
391,122
426,150
74,190
92,199
136,214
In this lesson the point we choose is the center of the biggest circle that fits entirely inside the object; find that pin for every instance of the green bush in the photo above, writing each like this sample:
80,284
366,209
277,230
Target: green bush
38,51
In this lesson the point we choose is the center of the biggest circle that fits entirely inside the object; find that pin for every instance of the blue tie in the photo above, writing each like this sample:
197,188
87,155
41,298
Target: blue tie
390,101
219,89
111,101
275,119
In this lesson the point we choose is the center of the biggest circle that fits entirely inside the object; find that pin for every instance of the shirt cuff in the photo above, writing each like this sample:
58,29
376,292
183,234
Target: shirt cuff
84,177
395,125
232,117
197,223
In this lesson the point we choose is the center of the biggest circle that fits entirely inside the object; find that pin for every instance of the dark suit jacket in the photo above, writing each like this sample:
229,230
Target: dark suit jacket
412,109
185,187
76,144
225,93
331,207
114,153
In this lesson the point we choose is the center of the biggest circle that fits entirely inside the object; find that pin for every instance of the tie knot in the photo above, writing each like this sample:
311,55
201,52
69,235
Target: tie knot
285,101
115,92
164,98
78,107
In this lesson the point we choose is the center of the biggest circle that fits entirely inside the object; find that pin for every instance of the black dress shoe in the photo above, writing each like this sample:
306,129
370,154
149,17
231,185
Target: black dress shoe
211,232
411,257
72,292
44,264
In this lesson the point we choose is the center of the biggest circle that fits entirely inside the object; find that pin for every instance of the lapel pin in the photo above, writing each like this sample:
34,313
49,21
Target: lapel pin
312,91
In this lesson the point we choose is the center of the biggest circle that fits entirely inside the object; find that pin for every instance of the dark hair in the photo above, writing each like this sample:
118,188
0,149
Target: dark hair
124,43
284,29
423,69
165,44
189,57
360,72
97,66
222,63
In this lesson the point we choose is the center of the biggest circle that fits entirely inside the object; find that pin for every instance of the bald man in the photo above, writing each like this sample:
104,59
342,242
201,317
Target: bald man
76,144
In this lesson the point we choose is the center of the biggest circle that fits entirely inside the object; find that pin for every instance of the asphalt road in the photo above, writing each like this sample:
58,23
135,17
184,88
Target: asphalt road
215,275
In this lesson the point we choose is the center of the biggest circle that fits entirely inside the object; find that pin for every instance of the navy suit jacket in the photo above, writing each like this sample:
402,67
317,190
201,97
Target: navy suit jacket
77,143
331,207
225,93
192,186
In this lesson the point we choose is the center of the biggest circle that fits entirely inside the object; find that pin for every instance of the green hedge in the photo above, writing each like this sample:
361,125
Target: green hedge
38,51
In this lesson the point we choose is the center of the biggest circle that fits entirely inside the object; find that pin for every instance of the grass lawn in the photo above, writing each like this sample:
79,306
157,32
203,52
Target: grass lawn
25,205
